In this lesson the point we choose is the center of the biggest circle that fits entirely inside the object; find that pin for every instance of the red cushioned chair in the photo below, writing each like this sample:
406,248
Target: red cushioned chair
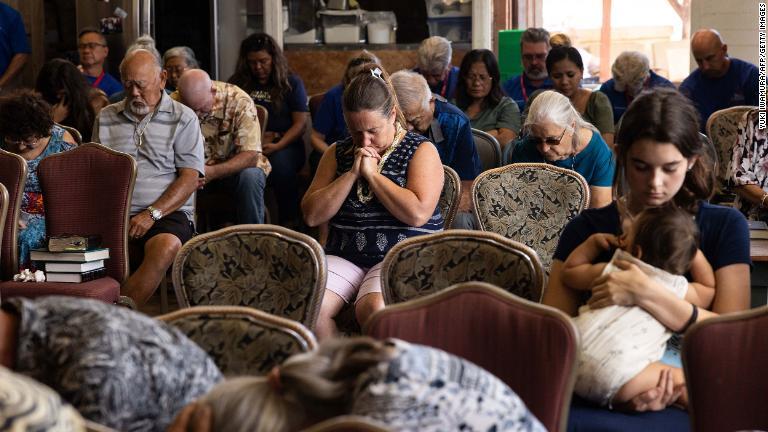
725,362
531,347
13,175
87,190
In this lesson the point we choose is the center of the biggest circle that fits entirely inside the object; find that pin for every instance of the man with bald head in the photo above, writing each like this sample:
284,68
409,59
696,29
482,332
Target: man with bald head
234,163
164,138
720,81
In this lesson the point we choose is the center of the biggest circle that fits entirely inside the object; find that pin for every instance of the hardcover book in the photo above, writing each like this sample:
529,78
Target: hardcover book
72,242
72,256
73,267
76,277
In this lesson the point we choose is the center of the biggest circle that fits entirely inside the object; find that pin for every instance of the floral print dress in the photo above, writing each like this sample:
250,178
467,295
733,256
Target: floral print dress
32,209
750,162
426,389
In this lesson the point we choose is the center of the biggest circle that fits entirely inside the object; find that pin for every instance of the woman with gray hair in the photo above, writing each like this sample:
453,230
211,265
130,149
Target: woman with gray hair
433,61
631,75
404,386
176,61
556,134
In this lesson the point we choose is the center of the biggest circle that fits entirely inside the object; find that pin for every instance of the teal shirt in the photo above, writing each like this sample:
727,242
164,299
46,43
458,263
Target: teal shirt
595,162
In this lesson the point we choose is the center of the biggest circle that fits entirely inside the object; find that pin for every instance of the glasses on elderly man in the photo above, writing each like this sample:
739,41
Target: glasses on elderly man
550,141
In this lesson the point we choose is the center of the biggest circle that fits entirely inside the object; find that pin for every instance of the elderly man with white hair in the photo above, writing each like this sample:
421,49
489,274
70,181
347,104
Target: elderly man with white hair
447,127
720,81
164,138
631,75
433,62
444,124
234,163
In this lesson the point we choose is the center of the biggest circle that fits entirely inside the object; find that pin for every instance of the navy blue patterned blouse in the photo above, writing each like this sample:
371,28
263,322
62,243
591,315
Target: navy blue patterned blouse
363,232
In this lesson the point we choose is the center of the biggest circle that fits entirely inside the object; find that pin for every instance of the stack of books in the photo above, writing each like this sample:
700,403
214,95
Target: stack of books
73,259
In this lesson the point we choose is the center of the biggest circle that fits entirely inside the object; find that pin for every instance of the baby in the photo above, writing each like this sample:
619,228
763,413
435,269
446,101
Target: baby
621,346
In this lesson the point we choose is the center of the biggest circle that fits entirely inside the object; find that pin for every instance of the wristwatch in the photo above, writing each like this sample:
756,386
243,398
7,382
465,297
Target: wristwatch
155,213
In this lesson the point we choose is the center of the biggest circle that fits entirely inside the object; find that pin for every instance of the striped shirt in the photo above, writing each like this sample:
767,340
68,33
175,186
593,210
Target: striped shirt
171,140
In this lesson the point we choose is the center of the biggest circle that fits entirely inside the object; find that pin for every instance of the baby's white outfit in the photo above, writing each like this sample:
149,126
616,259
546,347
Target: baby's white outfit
618,342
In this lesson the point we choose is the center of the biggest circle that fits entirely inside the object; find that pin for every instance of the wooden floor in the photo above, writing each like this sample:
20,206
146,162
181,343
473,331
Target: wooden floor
153,306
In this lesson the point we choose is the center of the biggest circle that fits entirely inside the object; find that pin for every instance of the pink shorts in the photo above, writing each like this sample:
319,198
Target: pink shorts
349,281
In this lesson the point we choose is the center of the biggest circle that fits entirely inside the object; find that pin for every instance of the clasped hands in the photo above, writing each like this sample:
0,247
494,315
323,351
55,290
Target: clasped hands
366,162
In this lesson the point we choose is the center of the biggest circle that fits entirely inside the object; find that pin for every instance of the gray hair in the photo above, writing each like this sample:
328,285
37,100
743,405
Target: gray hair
146,43
185,53
534,35
551,106
135,50
629,69
412,89
434,54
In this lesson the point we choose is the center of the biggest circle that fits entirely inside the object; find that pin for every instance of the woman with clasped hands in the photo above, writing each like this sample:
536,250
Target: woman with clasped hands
376,188
660,159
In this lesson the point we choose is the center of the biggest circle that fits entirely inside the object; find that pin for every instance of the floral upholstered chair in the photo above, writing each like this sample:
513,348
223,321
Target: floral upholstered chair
265,267
530,203
722,128
242,340
449,197
426,264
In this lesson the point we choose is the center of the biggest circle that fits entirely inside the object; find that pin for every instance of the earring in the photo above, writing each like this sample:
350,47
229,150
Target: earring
690,167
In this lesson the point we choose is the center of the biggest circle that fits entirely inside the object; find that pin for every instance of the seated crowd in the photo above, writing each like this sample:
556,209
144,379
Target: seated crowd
379,143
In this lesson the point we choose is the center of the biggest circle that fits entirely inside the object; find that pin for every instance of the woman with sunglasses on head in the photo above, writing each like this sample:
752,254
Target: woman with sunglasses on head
28,130
262,71
480,96
375,188
556,134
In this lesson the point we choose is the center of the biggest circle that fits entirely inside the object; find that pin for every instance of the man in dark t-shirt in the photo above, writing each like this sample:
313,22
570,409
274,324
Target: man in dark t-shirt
720,81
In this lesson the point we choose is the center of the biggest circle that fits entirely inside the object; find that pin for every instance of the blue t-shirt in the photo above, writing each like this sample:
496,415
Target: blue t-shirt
109,84
329,118
451,132
447,87
738,86
724,240
294,101
13,37
519,88
723,231
595,162
619,99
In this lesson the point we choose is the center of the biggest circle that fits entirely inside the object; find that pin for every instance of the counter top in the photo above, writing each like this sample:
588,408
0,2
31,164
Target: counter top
464,46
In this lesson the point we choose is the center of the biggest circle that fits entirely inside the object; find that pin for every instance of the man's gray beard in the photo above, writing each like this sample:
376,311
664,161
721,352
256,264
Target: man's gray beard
138,109
541,75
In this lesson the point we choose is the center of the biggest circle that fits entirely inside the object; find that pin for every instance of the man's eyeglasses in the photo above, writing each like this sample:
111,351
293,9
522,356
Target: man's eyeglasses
550,141
90,45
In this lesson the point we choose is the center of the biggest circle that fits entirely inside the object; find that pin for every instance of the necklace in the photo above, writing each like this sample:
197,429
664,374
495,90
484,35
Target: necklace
364,192
139,139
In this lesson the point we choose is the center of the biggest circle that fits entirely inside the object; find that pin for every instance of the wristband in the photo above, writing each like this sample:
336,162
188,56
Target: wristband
691,320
